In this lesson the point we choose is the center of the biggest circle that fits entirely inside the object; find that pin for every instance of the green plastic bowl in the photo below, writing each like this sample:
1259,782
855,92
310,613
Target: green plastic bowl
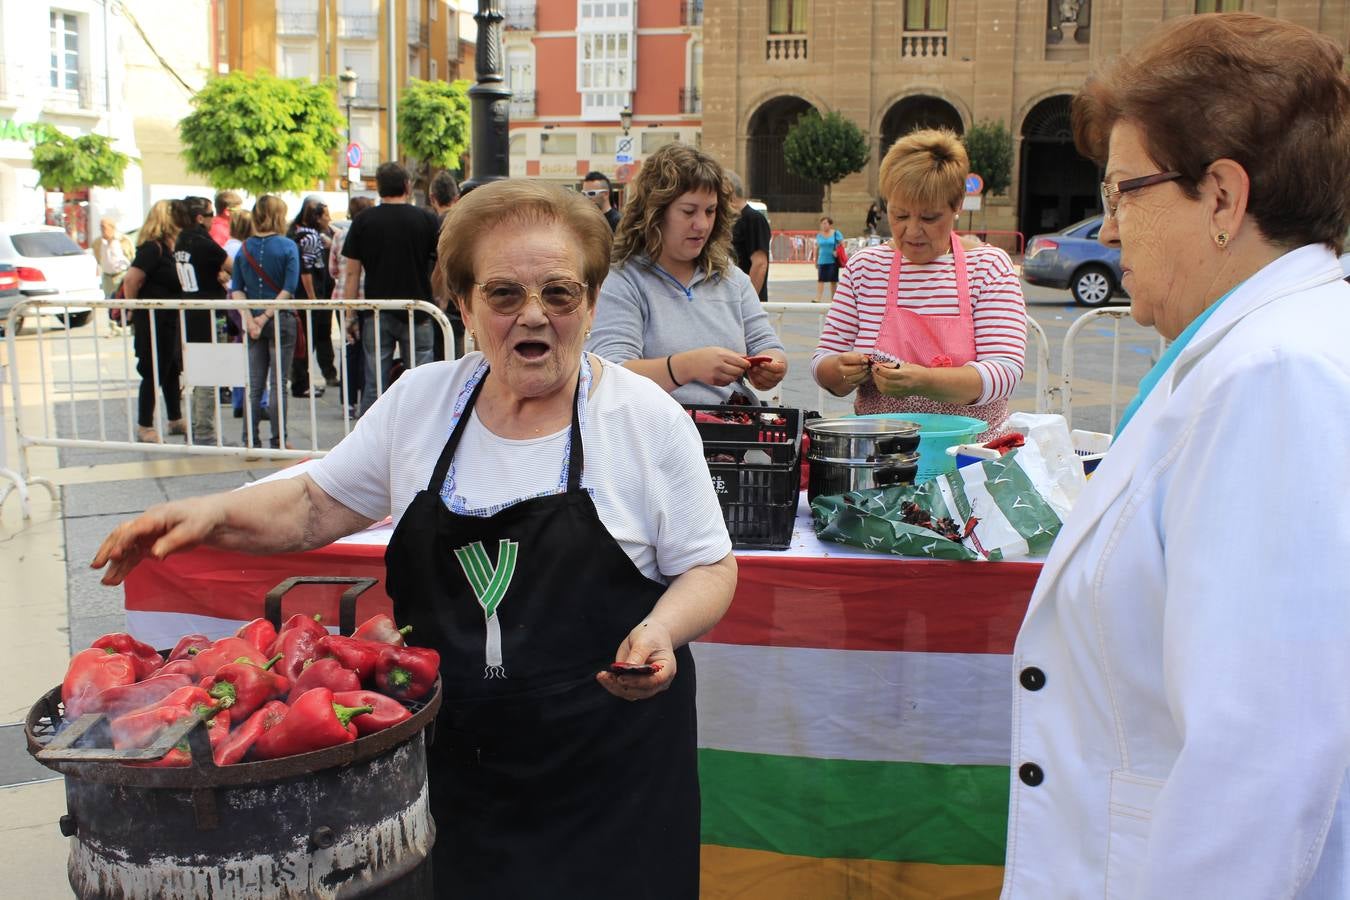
937,432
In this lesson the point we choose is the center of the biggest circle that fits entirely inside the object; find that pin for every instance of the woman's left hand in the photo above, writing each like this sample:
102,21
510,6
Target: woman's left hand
766,376
649,643
903,380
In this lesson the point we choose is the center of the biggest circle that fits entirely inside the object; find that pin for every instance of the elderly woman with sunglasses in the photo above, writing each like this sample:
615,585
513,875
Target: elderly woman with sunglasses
552,515
1181,724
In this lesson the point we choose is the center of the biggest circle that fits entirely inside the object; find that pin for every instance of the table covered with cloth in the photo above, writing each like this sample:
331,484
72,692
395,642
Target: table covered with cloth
853,708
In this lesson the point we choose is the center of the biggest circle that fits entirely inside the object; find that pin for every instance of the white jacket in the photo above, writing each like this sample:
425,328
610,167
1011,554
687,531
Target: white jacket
1181,712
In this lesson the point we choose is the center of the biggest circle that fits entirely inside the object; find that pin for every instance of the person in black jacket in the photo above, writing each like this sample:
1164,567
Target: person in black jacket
308,229
201,263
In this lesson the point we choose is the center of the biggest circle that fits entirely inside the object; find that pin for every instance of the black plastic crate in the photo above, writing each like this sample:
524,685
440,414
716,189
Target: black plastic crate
756,472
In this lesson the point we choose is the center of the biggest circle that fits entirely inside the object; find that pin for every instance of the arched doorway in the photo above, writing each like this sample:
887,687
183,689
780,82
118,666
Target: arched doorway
767,174
1058,187
918,111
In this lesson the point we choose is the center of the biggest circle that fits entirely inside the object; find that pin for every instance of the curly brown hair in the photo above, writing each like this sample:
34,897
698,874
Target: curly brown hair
665,176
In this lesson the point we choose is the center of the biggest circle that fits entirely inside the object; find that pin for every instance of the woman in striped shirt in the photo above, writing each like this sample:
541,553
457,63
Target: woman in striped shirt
921,323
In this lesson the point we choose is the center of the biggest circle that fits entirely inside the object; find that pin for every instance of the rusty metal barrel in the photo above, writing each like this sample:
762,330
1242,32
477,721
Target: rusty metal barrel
344,822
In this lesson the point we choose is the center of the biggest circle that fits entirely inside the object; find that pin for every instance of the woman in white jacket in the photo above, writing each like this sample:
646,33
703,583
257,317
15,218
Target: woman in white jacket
1181,723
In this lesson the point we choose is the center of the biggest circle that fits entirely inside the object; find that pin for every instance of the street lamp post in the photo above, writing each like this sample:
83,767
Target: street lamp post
348,79
490,102
626,118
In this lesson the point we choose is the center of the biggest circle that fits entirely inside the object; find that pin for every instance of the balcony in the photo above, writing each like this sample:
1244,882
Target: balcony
785,48
519,15
522,104
367,94
691,12
297,21
691,101
419,33
84,96
923,45
363,26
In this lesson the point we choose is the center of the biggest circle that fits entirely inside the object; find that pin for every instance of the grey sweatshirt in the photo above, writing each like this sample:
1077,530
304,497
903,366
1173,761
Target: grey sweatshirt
645,313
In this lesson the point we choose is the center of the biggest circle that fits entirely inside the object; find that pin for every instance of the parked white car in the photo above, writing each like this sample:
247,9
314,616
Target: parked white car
51,266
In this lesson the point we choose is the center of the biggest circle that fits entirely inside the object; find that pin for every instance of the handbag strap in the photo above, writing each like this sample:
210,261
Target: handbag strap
271,285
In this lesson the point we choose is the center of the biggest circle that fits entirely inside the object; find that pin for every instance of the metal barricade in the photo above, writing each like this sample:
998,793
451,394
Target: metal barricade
87,386
1067,363
792,246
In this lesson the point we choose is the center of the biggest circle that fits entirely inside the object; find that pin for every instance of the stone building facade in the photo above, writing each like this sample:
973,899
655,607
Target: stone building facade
892,65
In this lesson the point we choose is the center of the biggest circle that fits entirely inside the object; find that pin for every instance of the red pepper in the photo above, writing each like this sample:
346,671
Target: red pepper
1010,441
301,623
326,673
124,698
407,672
314,723
91,672
186,644
358,655
381,629
297,646
261,633
184,666
244,687
217,730
146,658
141,727
232,749
386,711
225,651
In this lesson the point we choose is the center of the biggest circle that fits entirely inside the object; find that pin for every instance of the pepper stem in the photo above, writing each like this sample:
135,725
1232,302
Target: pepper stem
345,714
405,630
399,677
273,661
225,692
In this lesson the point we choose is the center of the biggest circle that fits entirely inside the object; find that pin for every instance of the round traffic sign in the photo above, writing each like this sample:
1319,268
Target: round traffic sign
974,184
354,154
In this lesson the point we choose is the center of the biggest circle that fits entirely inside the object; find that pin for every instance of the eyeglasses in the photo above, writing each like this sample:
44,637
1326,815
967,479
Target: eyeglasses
558,298
599,193
1111,192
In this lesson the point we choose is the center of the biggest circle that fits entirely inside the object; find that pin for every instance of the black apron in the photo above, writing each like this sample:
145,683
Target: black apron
542,782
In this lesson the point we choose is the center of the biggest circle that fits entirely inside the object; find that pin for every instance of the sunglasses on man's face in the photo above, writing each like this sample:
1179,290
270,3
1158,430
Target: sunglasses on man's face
599,193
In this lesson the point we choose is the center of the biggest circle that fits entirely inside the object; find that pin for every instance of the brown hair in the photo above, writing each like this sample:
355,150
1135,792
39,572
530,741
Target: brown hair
269,215
928,167
159,224
665,176
518,202
358,205
241,224
1269,95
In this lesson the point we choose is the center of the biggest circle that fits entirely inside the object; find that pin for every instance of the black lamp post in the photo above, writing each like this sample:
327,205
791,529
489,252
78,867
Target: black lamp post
626,118
489,101
348,79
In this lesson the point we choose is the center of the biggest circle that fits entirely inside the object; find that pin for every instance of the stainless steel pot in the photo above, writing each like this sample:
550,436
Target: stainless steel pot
853,440
833,477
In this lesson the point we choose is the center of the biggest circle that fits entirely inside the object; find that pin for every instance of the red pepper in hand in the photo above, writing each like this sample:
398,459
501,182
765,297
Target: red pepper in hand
186,644
261,633
146,658
315,722
326,673
385,711
225,651
244,687
234,748
141,727
90,673
381,629
120,700
407,672
358,655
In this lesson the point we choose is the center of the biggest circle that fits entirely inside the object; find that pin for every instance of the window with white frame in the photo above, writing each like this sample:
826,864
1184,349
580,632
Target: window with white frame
520,68
552,143
361,60
366,132
606,45
604,143
299,60
655,140
65,37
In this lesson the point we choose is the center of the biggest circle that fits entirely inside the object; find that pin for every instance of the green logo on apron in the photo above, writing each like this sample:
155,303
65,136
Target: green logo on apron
489,585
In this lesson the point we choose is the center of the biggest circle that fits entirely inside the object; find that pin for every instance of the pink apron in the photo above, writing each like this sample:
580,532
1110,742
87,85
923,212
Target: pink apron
933,341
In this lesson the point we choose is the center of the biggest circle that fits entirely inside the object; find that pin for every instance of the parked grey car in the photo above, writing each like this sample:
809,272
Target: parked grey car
1074,259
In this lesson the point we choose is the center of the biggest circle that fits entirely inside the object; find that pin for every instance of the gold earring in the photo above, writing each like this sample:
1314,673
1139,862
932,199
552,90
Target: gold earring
588,333
1222,240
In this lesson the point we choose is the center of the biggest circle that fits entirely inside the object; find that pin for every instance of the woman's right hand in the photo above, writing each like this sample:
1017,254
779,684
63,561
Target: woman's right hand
254,328
717,366
159,531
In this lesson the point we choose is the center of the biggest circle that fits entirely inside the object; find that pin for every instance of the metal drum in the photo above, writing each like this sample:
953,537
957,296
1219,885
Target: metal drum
853,454
344,822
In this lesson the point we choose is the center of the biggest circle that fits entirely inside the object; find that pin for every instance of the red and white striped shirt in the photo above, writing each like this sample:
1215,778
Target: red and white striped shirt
929,289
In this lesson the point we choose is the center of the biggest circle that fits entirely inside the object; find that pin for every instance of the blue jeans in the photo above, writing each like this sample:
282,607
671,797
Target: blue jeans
393,330
267,369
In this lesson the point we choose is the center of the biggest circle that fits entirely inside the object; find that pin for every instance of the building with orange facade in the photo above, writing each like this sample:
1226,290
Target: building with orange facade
573,66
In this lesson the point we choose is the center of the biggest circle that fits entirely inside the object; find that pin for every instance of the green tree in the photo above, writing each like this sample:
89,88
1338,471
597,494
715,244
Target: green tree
825,150
990,147
64,163
262,133
433,122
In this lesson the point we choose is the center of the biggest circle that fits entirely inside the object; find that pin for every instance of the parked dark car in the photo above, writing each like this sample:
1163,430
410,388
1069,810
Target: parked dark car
1074,259
9,293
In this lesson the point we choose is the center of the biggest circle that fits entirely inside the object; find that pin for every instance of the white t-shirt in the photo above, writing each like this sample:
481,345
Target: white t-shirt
644,463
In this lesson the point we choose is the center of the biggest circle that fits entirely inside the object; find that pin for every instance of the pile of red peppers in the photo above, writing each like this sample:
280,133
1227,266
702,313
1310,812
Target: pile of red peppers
263,693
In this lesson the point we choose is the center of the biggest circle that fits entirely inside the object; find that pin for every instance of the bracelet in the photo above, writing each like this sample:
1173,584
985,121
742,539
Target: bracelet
671,372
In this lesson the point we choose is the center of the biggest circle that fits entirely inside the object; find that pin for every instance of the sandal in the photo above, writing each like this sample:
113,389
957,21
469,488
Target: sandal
147,435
